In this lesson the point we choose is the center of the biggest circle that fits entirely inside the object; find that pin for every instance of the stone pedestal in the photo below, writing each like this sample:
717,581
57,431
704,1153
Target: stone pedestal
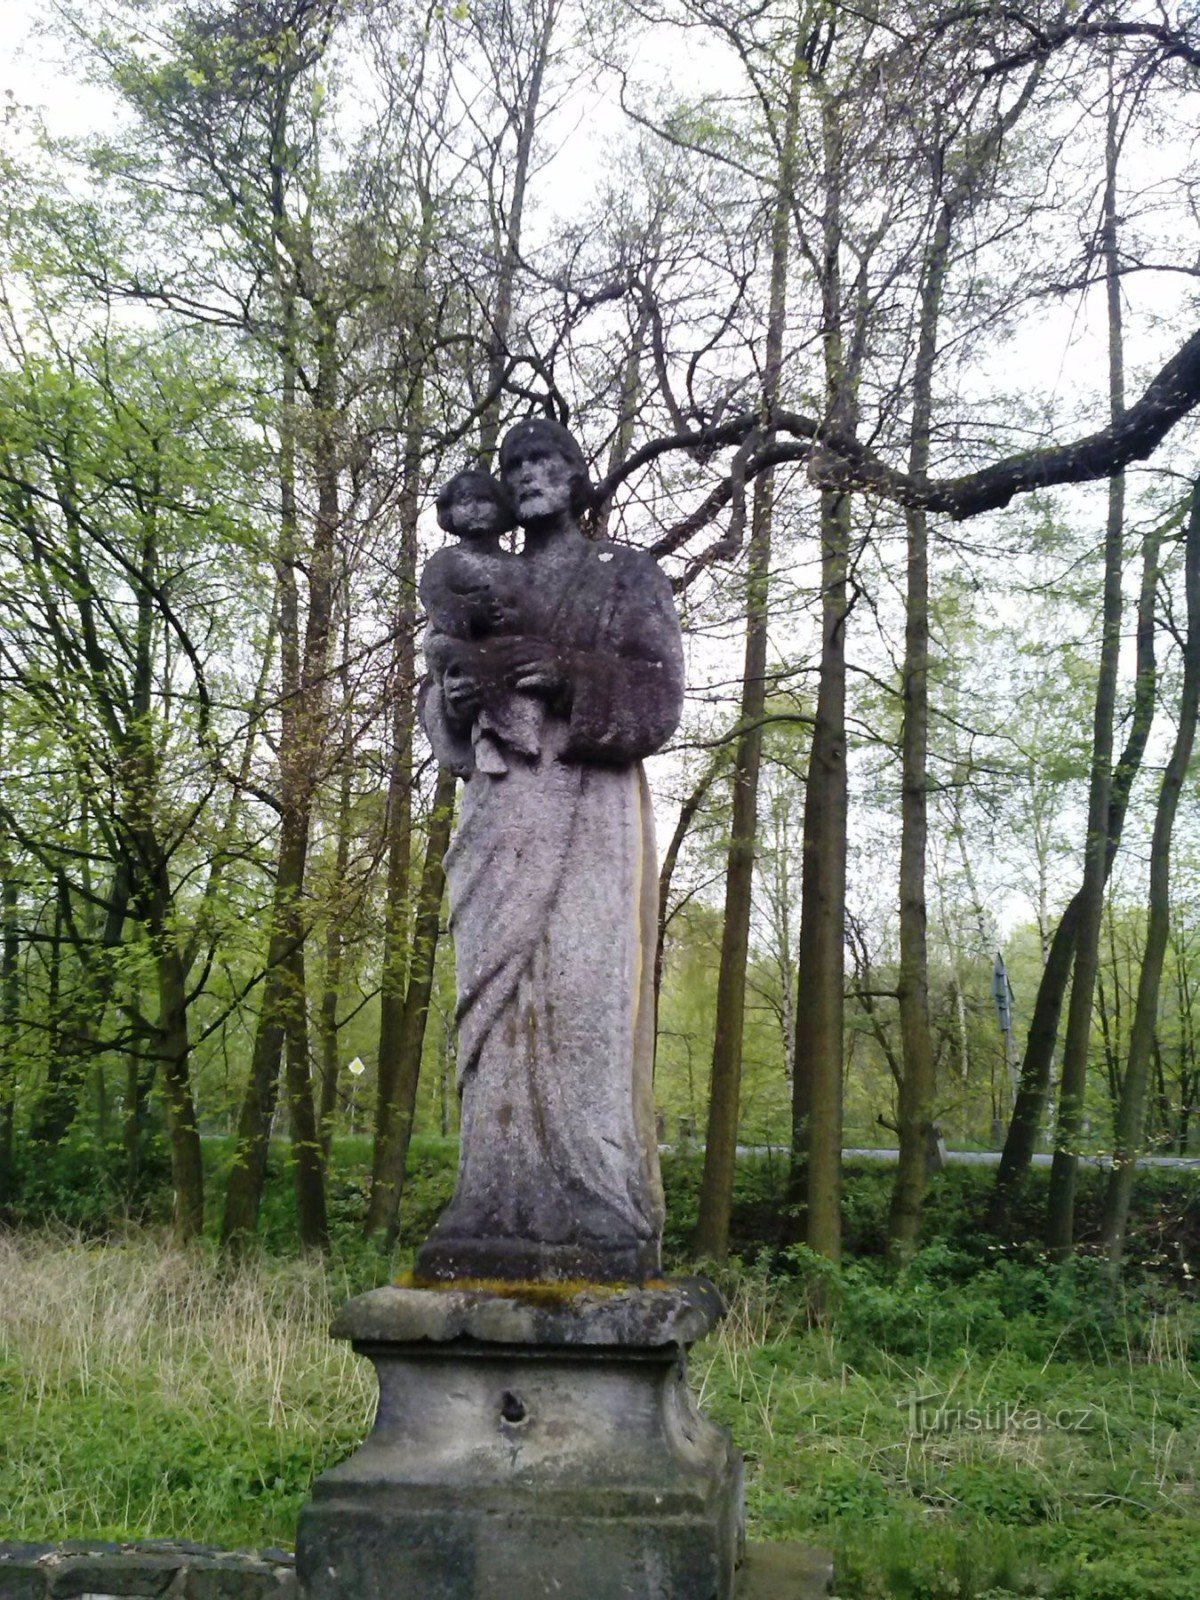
529,1443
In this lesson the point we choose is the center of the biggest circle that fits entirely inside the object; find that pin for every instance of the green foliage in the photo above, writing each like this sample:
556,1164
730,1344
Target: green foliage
941,1458
148,1392
85,1183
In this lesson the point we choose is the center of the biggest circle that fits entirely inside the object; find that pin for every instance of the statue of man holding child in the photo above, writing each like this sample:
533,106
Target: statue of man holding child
552,673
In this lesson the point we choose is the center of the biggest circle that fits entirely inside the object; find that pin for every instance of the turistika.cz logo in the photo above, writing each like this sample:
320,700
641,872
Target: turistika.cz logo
930,1414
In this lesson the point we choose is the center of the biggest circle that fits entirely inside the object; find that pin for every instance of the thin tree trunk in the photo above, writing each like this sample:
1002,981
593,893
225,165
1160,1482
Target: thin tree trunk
917,1080
400,779
335,927
1131,1115
307,1152
387,1187
243,1195
1029,1106
75,1022
304,710
331,988
139,1081
631,388
1060,1204
499,344
687,815
815,1186
720,1153
1189,1077
10,1010
308,1164
53,1010
815,1179
187,1171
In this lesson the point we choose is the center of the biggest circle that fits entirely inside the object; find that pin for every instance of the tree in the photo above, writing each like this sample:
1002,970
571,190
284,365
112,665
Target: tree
104,487
1131,1113
716,1190
1060,1216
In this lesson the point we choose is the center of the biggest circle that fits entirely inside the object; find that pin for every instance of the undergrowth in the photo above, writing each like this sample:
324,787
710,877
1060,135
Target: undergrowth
148,1392
1028,1435
984,1425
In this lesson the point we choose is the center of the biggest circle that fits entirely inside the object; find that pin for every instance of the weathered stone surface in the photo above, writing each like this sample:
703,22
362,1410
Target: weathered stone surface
507,1463
675,1314
102,1570
784,1572
129,1573
769,1572
247,1579
540,1439
552,673
21,1574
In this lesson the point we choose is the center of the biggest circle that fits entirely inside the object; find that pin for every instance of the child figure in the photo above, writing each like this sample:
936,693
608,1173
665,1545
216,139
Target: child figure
472,592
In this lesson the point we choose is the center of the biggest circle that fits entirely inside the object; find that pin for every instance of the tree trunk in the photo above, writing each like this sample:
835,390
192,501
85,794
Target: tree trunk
10,1011
308,1169
815,1185
187,1171
1131,1115
139,1081
631,388
308,1163
917,1080
720,1153
301,744
400,779
815,1179
1030,1102
243,1196
331,986
1060,1204
918,1083
687,815
391,1150
75,1021
499,344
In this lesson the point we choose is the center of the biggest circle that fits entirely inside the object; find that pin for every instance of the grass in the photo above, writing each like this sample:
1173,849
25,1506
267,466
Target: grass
1044,1461
147,1392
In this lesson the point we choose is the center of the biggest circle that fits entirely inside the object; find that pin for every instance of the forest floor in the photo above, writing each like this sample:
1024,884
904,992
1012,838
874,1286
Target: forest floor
973,1428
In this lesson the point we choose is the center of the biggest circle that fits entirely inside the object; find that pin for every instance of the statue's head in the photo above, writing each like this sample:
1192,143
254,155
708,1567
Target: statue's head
472,505
543,470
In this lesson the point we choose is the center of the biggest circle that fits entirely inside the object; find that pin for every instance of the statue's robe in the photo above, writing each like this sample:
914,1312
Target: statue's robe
553,895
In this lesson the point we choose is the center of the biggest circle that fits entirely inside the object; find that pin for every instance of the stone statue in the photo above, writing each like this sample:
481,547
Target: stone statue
537,1435
552,673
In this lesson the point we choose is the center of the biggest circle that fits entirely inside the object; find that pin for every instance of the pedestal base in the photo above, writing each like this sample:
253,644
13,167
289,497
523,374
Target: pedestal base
528,1446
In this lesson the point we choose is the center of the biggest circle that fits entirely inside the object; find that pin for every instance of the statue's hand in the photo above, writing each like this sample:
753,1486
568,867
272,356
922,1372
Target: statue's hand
534,667
487,610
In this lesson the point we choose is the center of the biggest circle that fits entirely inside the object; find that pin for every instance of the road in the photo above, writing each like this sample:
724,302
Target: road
965,1158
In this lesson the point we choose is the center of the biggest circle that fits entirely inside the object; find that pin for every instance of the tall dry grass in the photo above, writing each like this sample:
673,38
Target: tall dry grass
152,1390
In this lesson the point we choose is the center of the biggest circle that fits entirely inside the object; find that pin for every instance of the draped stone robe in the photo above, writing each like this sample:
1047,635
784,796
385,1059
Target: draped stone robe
553,893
